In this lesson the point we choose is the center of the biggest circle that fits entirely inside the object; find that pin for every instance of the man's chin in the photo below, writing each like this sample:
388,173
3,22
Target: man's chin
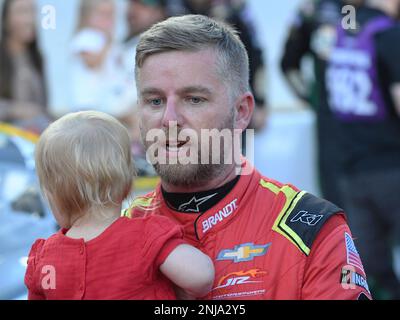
177,174
186,175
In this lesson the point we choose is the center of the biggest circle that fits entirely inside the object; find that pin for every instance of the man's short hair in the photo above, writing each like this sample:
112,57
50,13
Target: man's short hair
83,161
194,33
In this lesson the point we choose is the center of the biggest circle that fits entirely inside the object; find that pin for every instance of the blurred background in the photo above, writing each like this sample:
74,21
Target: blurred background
61,56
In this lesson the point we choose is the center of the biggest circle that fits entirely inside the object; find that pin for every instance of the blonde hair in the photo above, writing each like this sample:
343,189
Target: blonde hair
195,33
83,161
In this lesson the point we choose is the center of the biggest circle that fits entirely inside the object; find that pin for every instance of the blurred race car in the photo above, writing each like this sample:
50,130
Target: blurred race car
24,215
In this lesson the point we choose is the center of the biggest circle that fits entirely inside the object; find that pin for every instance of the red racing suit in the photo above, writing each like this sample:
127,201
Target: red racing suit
269,240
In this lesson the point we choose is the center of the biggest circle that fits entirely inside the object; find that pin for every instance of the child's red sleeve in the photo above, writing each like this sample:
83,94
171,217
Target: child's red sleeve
31,274
161,236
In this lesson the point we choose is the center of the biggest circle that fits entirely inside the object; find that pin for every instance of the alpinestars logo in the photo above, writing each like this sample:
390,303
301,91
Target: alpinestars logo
193,204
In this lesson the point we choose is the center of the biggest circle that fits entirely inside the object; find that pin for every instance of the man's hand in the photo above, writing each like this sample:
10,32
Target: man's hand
298,84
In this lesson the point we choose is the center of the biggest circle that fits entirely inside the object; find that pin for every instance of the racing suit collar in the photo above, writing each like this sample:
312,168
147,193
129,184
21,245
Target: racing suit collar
197,202
227,209
199,225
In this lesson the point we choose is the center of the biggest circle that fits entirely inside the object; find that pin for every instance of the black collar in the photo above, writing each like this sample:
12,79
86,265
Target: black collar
197,202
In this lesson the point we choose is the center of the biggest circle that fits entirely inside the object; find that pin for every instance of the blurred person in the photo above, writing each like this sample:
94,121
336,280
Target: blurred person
140,16
23,100
98,79
363,86
193,75
85,170
238,14
313,34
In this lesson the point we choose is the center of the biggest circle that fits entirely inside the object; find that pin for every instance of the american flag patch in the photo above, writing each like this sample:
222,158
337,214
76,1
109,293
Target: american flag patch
353,258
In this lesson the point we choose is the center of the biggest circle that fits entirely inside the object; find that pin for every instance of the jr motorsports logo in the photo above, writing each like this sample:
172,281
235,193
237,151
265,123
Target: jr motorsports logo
240,277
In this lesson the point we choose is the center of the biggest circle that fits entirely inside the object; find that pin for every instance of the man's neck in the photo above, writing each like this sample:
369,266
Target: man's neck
222,179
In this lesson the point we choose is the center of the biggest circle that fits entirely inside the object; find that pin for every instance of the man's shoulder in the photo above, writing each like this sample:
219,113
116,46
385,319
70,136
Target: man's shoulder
275,186
299,215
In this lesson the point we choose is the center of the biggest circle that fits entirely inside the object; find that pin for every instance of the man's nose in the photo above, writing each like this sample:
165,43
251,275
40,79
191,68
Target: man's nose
171,113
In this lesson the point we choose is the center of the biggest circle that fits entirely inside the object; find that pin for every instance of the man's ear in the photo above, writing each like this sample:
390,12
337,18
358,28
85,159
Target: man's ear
244,110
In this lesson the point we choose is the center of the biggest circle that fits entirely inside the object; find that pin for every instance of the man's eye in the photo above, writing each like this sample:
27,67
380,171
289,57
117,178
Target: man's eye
195,100
155,102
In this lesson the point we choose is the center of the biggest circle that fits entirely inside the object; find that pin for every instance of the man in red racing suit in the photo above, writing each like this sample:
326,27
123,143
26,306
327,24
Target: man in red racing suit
271,241
267,240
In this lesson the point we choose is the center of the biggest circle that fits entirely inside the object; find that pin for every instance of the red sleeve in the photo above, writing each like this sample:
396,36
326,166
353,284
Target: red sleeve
168,247
334,270
34,293
161,237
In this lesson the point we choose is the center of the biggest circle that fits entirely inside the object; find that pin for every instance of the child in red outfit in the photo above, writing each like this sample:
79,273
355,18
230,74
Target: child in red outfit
85,170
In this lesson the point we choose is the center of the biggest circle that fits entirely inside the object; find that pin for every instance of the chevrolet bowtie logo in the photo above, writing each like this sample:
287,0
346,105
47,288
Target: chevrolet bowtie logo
193,204
243,252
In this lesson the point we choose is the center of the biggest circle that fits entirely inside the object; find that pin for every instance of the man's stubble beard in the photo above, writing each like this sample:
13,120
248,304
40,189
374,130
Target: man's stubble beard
193,175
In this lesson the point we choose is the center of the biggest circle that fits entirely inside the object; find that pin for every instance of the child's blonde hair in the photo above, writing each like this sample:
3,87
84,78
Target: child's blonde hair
83,161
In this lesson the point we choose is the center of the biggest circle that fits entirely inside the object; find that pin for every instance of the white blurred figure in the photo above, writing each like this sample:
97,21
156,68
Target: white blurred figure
98,77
